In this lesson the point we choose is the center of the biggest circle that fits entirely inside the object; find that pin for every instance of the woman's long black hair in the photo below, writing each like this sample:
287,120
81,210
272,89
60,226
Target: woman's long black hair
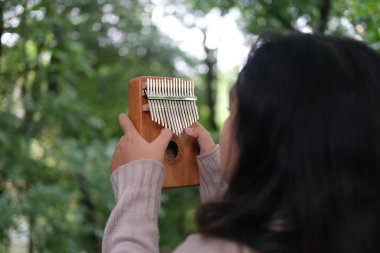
308,132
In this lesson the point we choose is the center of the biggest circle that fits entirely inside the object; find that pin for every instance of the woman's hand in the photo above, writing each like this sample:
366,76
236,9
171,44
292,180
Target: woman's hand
132,146
205,141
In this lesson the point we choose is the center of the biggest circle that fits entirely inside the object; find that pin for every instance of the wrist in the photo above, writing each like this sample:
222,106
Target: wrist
209,152
137,176
208,149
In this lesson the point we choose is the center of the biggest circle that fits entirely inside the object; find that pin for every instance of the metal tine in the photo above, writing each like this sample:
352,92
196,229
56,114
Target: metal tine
186,105
163,110
176,115
190,104
148,89
154,104
188,109
166,123
183,103
170,107
175,107
191,87
158,108
158,104
179,106
194,102
188,117
164,102
167,104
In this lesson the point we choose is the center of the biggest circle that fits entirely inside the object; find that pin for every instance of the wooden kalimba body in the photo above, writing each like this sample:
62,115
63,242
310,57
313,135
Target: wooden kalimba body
157,102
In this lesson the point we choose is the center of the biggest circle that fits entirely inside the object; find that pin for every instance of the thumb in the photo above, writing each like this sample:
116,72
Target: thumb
193,132
123,118
164,138
205,141
127,125
198,132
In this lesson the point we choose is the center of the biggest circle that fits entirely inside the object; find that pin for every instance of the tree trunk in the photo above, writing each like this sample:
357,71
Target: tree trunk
285,22
210,77
31,234
324,10
53,84
1,28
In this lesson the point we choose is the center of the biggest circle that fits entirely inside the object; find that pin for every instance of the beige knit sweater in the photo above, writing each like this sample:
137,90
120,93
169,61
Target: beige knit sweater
132,225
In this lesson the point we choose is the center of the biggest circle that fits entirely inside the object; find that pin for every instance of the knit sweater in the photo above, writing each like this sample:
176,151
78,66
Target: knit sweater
132,225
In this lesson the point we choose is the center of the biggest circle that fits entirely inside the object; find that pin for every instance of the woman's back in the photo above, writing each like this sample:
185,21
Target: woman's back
300,151
308,132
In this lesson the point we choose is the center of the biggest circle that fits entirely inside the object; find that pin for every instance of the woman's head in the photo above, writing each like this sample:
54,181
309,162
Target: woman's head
307,130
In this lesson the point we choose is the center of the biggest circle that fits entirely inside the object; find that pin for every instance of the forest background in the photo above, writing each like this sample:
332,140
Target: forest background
64,71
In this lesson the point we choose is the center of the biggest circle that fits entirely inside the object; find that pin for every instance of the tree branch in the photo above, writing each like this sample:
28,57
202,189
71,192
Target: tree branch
210,78
287,24
324,10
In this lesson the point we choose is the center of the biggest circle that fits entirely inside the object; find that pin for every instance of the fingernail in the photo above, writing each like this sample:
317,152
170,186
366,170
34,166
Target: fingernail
165,130
188,130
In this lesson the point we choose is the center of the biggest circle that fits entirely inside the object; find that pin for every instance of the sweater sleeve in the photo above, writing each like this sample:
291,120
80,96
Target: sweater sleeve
212,183
132,225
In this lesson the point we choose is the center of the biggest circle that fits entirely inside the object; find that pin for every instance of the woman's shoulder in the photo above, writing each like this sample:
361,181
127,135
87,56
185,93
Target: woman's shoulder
200,243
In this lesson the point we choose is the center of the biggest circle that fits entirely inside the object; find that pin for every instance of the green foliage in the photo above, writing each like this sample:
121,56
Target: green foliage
64,69
176,219
63,83
353,18
364,17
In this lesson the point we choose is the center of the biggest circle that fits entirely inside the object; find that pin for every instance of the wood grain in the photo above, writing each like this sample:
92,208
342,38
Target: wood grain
181,170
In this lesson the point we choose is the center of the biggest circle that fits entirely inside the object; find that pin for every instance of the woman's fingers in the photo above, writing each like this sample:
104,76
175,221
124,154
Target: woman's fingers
205,141
162,141
123,122
128,128
132,146
192,132
126,124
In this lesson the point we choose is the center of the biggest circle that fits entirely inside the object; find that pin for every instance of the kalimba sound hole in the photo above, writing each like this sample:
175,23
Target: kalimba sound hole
172,150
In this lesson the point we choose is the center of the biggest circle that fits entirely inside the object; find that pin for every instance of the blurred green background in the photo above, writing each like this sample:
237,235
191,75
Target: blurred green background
64,71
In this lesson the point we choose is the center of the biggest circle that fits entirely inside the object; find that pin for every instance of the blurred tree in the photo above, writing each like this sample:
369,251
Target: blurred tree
353,18
346,17
63,67
210,80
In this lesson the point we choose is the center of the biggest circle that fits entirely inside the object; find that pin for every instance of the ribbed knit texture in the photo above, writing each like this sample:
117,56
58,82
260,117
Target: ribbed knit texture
212,184
132,225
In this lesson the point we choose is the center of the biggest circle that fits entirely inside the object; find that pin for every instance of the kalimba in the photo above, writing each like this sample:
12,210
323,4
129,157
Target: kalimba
157,102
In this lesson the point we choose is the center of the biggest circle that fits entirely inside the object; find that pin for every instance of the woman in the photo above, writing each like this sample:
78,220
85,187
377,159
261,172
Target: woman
300,152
